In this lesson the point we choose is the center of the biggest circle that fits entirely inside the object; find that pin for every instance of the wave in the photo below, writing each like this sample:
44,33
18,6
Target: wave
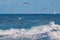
49,31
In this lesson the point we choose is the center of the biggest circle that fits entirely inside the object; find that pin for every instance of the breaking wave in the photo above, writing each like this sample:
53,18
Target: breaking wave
50,31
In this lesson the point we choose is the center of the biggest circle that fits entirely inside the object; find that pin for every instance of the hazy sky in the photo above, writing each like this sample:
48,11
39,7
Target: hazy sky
34,6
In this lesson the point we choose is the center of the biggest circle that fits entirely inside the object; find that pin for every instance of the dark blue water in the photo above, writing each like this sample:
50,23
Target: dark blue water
8,21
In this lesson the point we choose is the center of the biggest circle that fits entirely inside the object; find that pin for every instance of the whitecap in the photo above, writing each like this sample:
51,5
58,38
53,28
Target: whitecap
49,31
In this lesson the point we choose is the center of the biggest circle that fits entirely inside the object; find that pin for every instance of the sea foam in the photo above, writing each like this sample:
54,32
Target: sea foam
49,31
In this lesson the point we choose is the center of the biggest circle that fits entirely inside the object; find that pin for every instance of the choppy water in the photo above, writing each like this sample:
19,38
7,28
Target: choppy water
29,27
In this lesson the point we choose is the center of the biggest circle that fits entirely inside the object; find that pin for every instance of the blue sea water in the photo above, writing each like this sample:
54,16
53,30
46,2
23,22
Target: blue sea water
27,26
8,21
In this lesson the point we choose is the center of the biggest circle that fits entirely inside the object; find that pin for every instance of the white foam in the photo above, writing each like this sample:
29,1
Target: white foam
38,32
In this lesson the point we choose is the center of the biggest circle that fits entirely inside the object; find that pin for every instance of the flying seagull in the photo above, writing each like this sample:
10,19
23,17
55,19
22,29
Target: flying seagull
26,3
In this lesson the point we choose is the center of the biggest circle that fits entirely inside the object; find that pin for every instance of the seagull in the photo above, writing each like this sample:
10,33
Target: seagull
26,3
19,18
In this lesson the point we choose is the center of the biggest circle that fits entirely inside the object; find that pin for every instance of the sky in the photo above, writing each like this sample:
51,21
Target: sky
33,6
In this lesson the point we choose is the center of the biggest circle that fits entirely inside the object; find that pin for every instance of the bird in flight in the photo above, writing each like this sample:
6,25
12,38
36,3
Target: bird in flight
26,3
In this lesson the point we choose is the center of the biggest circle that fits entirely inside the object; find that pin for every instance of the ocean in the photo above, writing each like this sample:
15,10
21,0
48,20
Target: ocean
29,26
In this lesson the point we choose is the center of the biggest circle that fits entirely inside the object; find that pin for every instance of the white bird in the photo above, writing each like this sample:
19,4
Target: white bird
19,18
